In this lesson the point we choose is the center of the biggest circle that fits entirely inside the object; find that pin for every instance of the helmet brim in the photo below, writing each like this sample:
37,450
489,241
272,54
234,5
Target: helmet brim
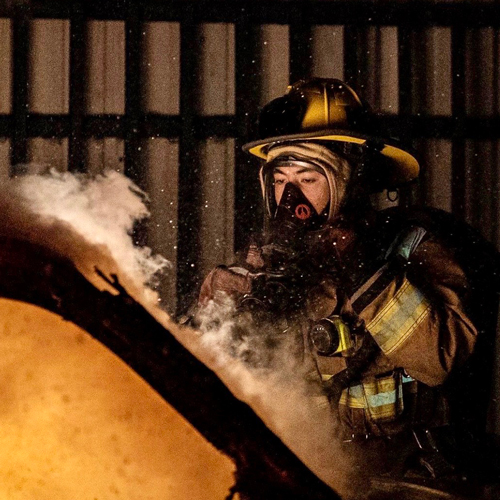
405,166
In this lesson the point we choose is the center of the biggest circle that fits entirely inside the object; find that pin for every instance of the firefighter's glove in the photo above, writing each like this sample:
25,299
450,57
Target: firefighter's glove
273,293
223,282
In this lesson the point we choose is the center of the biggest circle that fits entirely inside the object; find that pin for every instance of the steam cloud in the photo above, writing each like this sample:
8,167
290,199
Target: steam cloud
90,221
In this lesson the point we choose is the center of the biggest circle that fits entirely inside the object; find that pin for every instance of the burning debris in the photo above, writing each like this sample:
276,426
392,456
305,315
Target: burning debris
89,222
67,247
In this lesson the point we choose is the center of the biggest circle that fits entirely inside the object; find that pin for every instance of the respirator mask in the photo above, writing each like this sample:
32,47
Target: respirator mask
294,216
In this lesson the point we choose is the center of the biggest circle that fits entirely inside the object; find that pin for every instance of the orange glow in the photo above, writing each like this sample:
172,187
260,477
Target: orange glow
77,423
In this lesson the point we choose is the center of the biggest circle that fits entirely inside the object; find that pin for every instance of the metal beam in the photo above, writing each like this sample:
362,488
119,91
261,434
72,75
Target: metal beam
190,183
133,92
169,126
300,44
247,203
458,49
77,86
367,12
20,74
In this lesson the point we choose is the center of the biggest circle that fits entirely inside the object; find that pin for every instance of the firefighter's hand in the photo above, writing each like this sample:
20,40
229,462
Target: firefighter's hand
234,281
225,281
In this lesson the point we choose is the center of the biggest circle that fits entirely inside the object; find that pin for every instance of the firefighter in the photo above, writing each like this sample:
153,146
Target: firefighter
388,317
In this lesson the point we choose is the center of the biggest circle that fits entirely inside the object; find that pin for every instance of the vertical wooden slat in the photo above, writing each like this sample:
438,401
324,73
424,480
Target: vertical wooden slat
481,163
162,161
106,67
77,86
438,72
21,47
5,92
458,49
48,91
48,66
105,70
161,68
216,71
432,70
274,67
188,268
389,72
436,176
216,214
371,67
161,83
216,89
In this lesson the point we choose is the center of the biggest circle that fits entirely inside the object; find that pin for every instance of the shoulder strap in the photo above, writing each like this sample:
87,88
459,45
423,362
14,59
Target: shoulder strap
405,243
398,253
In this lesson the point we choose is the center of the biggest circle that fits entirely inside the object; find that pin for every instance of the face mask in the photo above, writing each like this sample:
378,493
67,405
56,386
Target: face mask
294,216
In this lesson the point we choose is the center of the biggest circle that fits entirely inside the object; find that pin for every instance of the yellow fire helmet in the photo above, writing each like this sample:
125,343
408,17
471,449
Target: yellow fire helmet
326,109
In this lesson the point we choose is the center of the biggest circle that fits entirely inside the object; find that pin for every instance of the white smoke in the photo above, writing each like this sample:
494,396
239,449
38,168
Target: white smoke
90,221
281,387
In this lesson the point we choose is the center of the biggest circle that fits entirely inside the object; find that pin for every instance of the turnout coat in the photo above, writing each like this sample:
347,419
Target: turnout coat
422,288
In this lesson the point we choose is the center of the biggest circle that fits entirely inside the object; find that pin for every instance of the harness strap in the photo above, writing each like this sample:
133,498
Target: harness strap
398,254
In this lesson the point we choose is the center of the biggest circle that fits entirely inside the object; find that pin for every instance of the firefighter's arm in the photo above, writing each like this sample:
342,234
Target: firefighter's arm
419,320
234,280
225,281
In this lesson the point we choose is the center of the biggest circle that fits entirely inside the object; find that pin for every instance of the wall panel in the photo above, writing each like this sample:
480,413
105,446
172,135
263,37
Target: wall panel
389,70
49,67
328,51
481,72
433,73
106,67
4,159
217,165
275,66
436,174
378,75
482,188
5,65
105,154
161,68
44,154
217,70
161,160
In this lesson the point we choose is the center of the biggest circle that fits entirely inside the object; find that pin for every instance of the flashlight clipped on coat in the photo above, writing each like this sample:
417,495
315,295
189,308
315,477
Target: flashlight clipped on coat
332,337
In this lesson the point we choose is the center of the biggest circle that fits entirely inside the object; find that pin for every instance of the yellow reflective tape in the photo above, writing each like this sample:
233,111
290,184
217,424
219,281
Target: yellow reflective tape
399,318
258,150
381,398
